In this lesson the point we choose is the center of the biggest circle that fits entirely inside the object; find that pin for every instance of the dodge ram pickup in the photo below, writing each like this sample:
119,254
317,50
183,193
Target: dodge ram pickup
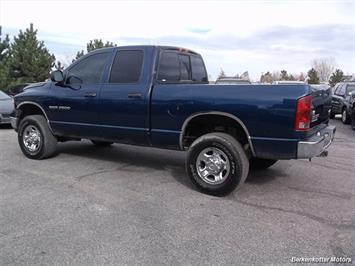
159,96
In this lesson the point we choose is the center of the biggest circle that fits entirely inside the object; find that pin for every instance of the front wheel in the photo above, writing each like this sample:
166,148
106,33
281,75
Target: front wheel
35,138
216,163
353,118
345,118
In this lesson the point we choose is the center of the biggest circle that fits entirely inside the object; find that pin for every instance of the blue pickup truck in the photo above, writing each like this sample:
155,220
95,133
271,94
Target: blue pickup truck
159,96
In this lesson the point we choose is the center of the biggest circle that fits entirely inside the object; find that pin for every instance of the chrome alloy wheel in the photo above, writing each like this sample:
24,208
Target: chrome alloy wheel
32,138
212,166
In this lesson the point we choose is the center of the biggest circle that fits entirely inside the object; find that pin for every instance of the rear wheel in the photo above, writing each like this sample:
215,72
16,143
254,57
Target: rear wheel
35,138
353,118
216,163
261,164
345,118
101,143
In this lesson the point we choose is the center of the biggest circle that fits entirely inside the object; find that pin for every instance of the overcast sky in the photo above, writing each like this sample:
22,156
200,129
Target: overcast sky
257,36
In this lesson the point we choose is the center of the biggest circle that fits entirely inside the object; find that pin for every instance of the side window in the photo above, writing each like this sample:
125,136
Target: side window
127,67
88,70
341,90
198,69
185,69
169,67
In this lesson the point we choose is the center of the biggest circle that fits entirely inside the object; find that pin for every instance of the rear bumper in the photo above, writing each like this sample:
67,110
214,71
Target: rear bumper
317,144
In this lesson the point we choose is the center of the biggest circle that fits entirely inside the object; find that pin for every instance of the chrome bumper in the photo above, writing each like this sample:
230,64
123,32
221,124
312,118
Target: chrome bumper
317,144
4,120
13,122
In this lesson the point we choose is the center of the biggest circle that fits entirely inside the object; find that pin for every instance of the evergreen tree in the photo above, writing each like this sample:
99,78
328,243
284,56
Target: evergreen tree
30,60
4,47
313,76
4,55
93,45
337,76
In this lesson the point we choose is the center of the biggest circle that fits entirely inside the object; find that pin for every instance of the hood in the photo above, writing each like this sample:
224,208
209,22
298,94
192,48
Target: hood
35,85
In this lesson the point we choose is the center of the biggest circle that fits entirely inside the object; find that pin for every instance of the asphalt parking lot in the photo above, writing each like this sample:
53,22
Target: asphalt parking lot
130,205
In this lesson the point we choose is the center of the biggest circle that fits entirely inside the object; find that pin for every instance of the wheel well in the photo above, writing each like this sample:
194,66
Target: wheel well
203,124
29,109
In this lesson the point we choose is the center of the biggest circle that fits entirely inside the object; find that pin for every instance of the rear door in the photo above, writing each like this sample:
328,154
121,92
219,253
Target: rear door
124,98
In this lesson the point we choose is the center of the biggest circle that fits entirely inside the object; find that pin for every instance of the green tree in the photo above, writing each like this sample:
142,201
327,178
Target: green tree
30,60
313,76
4,55
337,76
93,45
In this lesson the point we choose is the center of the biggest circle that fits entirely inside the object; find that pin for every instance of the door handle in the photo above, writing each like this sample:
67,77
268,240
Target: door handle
90,94
135,95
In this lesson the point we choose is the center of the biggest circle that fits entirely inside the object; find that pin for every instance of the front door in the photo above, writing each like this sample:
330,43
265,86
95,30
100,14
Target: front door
73,106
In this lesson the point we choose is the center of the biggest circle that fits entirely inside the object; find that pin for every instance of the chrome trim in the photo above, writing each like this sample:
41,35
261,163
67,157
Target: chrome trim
187,120
40,107
317,144
213,166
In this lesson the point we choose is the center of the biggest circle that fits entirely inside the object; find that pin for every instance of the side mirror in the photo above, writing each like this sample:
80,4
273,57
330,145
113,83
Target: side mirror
57,76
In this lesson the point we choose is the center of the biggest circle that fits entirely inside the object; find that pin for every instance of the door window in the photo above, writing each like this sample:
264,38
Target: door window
127,67
89,70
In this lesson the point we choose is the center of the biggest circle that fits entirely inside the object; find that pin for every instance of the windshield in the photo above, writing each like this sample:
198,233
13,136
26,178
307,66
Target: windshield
4,96
350,88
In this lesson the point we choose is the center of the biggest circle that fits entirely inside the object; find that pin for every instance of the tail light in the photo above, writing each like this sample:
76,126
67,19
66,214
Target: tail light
304,113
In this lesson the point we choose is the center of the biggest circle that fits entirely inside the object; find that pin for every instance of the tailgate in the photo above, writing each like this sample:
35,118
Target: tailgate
321,104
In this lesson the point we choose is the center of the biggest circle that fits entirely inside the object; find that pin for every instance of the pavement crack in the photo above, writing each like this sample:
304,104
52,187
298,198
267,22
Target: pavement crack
340,226
80,177
325,192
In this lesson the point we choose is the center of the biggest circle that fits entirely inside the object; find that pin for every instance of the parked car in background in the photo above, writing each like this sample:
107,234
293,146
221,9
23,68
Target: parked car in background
6,108
352,105
341,101
232,81
16,89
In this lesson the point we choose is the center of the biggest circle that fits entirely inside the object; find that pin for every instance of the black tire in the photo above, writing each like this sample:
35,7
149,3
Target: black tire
353,118
345,118
260,164
331,115
237,161
47,144
101,143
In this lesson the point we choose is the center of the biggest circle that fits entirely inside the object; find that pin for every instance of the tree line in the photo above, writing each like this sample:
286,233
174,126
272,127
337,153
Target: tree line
312,77
27,60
